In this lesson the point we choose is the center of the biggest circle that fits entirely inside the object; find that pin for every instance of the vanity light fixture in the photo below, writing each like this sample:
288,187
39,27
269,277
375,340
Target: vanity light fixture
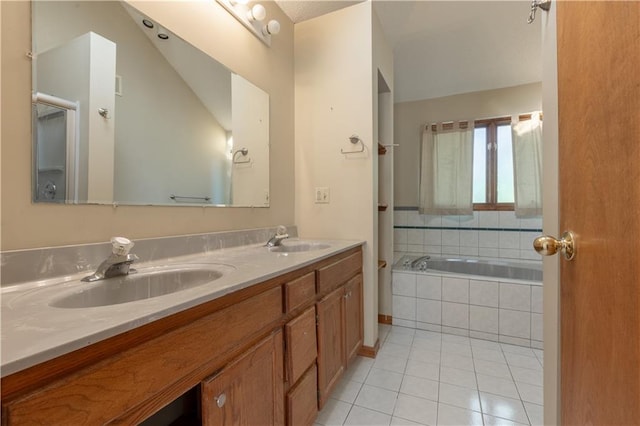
257,13
251,17
272,27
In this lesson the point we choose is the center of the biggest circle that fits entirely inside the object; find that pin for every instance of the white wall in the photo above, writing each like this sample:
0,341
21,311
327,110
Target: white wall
334,99
250,116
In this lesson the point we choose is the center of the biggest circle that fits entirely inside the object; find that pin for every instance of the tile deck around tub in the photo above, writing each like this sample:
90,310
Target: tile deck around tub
427,378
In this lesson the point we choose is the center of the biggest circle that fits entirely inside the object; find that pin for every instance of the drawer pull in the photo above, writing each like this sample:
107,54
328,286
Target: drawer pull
220,401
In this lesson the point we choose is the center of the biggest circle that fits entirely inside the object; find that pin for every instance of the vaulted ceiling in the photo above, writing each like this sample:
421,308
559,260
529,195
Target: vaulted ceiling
443,48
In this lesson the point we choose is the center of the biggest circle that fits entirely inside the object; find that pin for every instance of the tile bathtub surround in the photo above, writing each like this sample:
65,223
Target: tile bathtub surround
20,266
427,378
507,312
485,234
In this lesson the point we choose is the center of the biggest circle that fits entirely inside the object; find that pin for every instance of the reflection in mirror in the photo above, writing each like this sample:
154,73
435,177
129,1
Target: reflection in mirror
127,112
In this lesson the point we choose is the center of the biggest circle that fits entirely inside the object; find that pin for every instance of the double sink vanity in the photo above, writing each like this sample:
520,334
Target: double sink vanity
210,335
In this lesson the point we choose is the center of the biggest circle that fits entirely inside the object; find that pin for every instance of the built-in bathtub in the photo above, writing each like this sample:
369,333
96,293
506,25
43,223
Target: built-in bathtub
495,300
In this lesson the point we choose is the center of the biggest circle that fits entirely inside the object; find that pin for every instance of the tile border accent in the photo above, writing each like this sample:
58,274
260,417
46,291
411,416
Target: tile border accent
462,228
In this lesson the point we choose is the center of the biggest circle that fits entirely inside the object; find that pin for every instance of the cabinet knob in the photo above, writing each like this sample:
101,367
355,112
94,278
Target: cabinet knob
220,400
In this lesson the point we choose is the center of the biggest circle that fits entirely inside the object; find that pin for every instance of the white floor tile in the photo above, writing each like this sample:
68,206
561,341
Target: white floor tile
497,386
427,344
454,416
402,330
497,421
455,376
365,417
457,361
459,397
485,354
391,363
535,413
378,399
333,413
506,408
456,339
347,391
526,375
425,355
422,388
416,409
430,335
385,379
485,344
397,421
530,393
400,338
425,370
516,360
395,350
456,349
520,350
359,369
494,369
426,378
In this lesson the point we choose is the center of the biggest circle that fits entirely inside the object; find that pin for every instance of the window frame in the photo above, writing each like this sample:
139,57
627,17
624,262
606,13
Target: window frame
491,124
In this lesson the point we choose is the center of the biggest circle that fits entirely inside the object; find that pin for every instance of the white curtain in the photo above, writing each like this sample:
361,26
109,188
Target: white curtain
527,166
446,169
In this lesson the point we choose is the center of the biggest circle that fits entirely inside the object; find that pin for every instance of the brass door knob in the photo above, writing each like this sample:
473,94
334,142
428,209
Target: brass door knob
547,245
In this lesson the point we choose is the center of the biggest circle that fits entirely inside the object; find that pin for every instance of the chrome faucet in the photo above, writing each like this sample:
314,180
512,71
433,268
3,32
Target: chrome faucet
118,262
421,262
276,240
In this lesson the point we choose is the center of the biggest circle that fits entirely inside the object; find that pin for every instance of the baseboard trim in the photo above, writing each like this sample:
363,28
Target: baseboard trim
384,319
368,351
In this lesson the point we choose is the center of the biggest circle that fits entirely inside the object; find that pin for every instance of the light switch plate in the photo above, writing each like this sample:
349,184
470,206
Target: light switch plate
322,195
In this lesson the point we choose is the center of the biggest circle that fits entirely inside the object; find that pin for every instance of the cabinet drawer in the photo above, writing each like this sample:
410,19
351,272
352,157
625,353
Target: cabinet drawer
302,401
299,291
337,273
301,344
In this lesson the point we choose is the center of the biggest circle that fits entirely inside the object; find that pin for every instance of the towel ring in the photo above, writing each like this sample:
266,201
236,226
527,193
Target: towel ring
244,152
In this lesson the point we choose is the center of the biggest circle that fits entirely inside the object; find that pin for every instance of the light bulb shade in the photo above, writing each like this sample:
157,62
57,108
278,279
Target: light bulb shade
273,27
257,13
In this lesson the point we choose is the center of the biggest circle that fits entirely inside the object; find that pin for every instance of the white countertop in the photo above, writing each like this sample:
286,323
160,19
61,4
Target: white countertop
34,332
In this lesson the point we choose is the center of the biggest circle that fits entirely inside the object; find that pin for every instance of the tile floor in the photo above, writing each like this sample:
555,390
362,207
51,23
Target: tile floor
425,378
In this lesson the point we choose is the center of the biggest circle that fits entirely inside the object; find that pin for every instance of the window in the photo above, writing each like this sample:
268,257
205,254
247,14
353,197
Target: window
493,165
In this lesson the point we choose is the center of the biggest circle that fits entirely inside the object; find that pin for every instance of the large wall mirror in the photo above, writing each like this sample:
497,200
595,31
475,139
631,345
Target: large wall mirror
126,112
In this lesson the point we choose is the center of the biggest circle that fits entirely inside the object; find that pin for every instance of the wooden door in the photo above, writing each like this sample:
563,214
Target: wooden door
599,172
249,391
330,343
353,332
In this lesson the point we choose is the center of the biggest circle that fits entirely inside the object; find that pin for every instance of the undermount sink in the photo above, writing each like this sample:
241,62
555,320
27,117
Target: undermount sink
294,247
142,284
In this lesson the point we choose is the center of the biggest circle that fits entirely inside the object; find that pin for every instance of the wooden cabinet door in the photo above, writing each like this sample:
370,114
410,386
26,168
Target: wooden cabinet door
302,401
301,344
353,317
330,343
250,390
